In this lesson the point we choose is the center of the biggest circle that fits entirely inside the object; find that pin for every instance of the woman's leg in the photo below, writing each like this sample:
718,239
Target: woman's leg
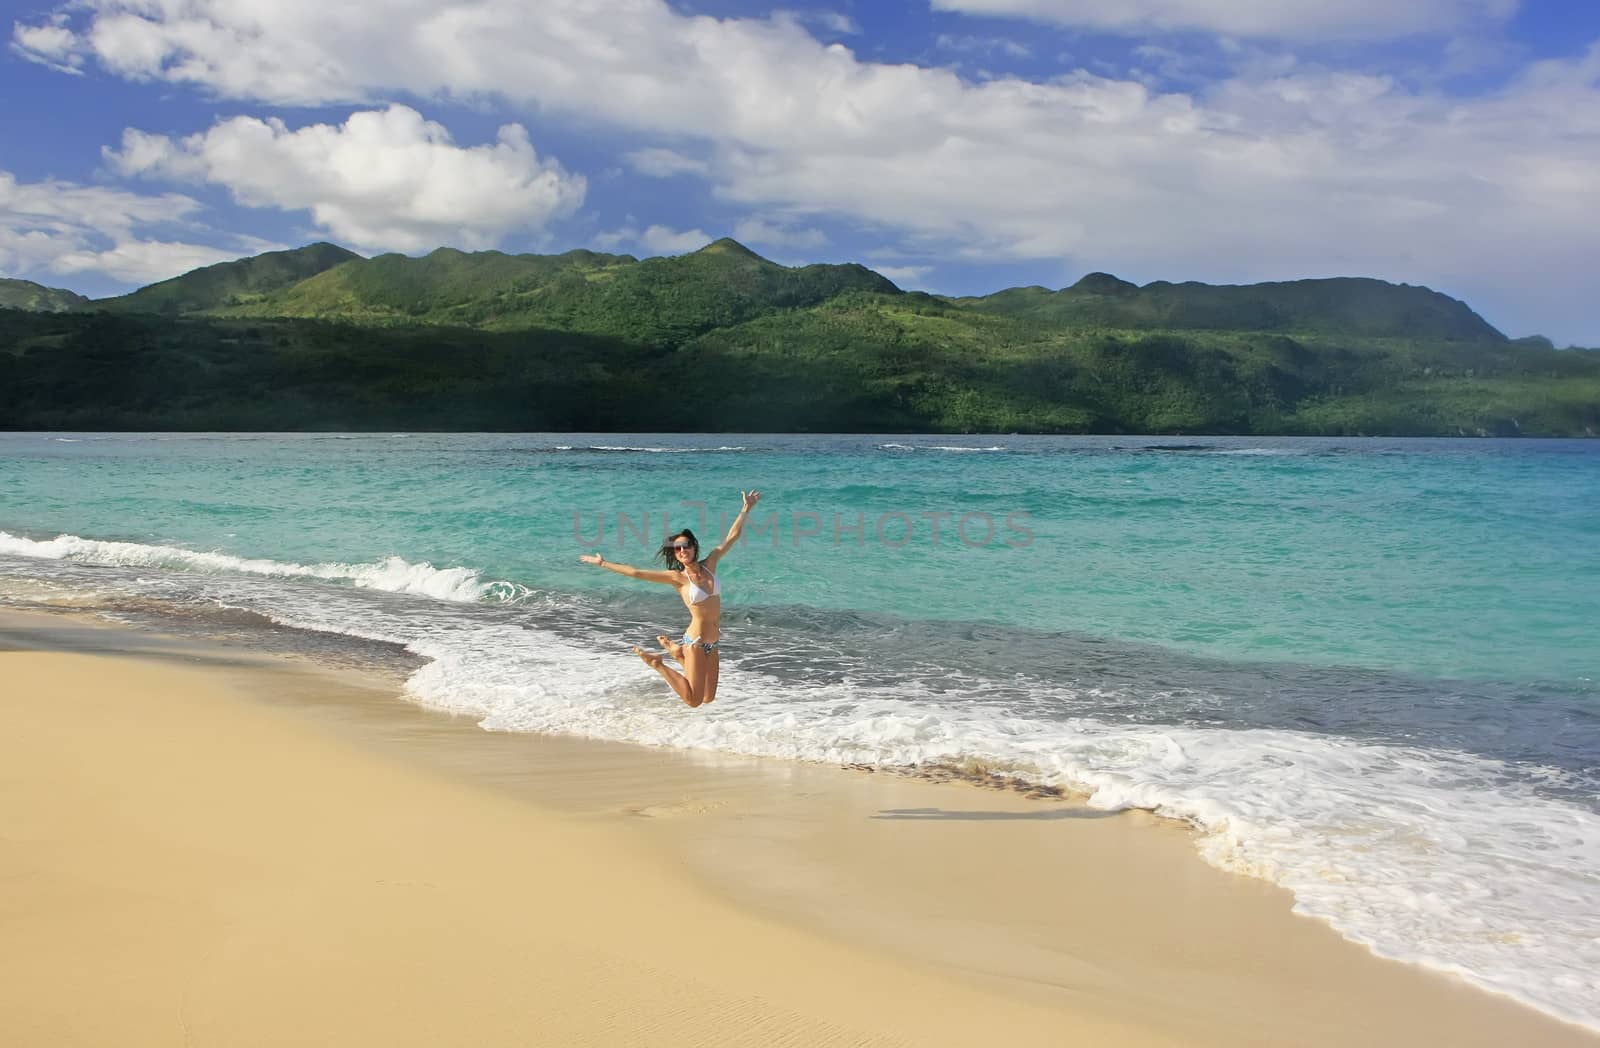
682,683
672,647
695,664
713,665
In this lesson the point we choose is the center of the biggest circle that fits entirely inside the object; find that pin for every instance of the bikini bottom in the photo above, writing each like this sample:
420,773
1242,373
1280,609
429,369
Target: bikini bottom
707,648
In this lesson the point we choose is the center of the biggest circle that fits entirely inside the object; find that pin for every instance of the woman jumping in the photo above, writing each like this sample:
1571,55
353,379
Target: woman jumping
701,592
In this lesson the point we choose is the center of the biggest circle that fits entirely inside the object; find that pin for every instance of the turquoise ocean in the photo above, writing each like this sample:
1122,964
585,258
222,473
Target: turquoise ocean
1365,669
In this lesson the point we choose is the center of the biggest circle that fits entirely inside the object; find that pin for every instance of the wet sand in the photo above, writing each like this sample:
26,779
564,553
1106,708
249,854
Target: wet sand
204,845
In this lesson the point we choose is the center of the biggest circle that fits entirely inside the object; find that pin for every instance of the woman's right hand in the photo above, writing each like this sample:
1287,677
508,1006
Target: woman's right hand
592,558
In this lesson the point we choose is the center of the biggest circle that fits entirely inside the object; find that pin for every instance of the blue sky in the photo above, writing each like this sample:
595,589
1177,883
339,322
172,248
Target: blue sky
958,146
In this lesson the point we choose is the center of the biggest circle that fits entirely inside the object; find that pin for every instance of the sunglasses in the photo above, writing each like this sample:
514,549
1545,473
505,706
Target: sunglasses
681,545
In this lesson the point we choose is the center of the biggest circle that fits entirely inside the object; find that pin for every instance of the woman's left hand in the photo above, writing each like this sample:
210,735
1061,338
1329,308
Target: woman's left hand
750,498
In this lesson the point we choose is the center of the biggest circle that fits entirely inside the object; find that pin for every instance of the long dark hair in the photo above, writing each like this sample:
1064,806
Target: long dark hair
666,554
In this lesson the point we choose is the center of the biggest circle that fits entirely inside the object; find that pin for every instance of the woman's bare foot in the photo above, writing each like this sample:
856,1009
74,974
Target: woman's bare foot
651,659
673,647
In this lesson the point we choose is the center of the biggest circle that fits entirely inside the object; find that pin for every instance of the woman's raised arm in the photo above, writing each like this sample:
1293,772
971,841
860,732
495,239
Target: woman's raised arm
750,499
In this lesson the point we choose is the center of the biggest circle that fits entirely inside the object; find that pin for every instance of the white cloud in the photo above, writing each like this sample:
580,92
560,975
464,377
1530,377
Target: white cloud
383,180
63,228
839,23
655,239
905,276
51,44
51,204
662,240
1287,19
759,231
984,45
835,22
143,261
612,239
664,163
1265,175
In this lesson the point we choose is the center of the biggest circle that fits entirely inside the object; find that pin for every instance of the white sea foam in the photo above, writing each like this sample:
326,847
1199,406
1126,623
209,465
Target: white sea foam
891,446
648,449
48,592
393,574
1440,858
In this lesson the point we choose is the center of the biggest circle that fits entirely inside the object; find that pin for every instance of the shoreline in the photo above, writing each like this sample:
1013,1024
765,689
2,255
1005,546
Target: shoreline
817,894
390,431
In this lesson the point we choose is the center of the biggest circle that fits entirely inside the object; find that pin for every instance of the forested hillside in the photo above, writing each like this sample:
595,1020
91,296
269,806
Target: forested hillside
721,338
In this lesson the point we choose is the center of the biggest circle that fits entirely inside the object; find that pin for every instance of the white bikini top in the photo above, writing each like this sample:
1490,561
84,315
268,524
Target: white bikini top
700,596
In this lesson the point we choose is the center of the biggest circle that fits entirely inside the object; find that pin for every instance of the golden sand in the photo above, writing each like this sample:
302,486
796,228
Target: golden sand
209,853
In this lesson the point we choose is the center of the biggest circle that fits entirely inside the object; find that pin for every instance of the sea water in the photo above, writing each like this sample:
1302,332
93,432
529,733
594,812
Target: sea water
1363,669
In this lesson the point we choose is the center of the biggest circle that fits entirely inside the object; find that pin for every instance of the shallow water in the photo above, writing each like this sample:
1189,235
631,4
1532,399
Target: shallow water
1363,668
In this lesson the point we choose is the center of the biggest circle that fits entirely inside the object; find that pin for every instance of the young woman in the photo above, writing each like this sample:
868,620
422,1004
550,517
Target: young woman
701,593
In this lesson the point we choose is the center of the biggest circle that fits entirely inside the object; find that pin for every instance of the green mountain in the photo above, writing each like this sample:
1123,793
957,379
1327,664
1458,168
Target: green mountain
859,362
1349,306
230,283
25,294
654,300
445,287
669,300
323,339
918,362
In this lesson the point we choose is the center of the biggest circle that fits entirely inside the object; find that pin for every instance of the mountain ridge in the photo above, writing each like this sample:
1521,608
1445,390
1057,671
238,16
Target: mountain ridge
16,293
671,298
1359,306
210,287
653,300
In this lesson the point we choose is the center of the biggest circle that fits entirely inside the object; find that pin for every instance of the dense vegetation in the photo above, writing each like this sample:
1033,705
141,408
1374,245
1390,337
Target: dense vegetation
25,294
723,339
228,283
1348,307
656,300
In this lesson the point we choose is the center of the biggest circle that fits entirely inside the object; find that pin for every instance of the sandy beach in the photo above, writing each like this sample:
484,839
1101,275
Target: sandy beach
205,845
